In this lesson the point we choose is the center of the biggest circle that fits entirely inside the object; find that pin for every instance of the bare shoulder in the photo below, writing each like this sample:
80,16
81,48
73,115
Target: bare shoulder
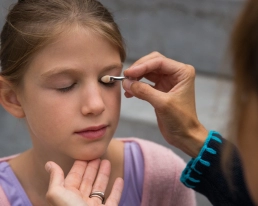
116,147
115,154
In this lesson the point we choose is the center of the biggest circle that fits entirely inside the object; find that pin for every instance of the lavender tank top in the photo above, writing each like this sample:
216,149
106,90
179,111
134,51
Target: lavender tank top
133,179
133,175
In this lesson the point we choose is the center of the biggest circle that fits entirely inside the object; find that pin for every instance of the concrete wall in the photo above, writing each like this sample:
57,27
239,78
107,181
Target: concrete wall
193,31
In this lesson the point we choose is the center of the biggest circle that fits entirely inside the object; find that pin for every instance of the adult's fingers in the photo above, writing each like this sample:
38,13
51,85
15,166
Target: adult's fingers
143,59
147,57
57,194
159,65
116,193
89,177
75,175
102,179
144,91
56,174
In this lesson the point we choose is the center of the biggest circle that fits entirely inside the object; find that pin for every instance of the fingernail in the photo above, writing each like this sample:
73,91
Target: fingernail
48,167
127,84
125,71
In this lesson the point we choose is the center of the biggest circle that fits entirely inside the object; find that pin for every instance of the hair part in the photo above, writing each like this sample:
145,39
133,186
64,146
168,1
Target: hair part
32,24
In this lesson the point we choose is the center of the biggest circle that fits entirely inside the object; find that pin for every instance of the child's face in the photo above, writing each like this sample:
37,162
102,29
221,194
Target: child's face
68,110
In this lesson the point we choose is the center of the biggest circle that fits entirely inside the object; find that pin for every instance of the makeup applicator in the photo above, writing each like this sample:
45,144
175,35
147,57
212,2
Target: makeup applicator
110,79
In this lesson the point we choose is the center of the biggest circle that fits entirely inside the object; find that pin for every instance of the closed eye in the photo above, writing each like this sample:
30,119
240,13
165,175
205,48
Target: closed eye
110,84
67,89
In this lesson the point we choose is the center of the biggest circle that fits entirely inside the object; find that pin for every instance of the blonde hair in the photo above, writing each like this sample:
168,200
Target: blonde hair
32,24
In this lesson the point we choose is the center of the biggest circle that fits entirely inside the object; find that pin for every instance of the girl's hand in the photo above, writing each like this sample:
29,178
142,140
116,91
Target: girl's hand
172,96
76,188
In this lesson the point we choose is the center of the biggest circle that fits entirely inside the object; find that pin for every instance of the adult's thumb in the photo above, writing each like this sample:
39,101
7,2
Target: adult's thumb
143,91
56,174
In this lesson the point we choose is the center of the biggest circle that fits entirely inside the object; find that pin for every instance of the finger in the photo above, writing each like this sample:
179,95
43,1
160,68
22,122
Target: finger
89,177
159,65
116,193
74,177
145,58
128,95
102,178
144,91
56,174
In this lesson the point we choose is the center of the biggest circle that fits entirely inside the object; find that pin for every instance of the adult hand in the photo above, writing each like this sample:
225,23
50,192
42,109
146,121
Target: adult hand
172,96
80,182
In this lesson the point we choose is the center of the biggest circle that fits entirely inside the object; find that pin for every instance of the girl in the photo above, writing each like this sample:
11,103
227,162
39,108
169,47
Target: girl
53,56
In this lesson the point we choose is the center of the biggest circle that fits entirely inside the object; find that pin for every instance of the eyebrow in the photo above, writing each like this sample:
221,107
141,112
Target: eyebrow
67,70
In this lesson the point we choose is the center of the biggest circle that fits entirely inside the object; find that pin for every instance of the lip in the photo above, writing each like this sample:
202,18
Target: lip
93,132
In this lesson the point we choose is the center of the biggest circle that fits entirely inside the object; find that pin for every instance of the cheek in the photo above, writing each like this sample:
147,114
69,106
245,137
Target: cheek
113,100
48,111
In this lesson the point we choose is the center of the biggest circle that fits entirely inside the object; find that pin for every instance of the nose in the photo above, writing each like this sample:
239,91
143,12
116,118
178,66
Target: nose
92,100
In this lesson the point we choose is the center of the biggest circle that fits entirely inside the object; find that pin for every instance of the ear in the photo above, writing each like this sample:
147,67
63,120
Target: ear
9,99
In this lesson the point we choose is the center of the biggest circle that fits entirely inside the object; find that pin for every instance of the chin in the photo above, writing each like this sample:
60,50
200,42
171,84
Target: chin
87,156
90,151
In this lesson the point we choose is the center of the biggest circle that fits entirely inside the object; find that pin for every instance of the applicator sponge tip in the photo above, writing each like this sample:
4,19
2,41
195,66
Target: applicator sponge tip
106,79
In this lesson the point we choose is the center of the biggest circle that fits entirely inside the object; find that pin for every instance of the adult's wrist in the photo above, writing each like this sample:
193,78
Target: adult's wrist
208,155
194,141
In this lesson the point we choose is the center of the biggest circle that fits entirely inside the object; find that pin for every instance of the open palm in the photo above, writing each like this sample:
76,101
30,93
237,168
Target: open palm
83,179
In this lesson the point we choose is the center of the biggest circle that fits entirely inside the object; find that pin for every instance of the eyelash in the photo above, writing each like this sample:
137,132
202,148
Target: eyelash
67,89
112,84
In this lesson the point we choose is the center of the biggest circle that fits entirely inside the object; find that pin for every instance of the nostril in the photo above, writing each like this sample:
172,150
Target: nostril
93,106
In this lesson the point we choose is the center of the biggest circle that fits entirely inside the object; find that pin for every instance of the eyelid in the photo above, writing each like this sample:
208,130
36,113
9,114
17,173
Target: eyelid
66,89
110,84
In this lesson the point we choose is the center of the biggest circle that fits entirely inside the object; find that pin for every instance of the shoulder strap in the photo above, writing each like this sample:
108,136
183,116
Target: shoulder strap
162,170
3,199
4,159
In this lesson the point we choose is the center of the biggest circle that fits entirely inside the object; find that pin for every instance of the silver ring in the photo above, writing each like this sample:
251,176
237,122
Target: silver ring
99,195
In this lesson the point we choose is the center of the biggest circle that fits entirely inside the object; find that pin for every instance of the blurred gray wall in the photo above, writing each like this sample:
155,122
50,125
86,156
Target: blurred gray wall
192,31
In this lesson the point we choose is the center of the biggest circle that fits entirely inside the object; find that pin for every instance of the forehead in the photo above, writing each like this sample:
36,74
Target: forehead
78,48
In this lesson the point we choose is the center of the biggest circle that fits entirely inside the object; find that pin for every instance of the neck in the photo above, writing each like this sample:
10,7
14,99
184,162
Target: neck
29,167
